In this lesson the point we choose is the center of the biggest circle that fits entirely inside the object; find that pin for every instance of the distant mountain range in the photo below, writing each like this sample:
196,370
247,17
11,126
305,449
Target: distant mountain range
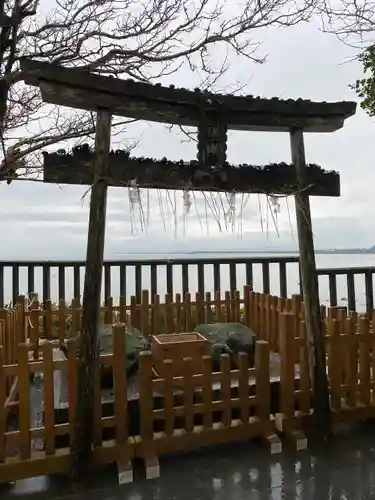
351,251
348,250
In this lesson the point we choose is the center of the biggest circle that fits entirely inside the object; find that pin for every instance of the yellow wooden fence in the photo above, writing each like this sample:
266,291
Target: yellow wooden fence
27,451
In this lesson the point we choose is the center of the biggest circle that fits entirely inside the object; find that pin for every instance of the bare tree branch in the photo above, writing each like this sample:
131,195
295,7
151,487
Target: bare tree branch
142,39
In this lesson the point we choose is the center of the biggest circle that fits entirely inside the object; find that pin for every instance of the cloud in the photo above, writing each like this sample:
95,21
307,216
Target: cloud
45,221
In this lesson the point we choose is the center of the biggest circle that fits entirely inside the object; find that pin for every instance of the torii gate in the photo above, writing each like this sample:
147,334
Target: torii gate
213,115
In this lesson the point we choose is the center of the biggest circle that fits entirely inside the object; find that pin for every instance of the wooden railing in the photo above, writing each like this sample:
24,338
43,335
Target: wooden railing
63,280
158,276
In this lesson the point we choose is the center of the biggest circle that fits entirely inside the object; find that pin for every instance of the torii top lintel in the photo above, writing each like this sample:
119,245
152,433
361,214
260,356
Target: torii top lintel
81,89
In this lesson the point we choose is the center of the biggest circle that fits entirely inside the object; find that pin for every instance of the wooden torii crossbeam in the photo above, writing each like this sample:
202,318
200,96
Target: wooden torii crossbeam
213,115
124,171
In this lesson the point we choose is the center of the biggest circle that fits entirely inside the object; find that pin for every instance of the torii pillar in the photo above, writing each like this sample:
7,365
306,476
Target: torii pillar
310,288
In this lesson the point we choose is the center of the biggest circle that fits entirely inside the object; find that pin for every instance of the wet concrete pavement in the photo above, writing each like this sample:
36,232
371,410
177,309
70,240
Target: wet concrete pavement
342,470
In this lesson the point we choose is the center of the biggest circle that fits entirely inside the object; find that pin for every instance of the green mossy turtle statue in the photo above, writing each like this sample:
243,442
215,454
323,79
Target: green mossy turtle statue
231,338
135,342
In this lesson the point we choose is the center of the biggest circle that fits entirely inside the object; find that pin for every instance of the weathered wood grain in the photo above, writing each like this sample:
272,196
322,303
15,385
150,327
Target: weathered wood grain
81,89
310,287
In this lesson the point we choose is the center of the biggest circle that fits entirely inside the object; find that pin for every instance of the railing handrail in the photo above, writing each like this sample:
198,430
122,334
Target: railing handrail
159,262
170,268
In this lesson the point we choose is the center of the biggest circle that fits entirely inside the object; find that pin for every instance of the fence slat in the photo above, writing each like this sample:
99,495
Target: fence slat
61,282
146,396
225,389
352,359
232,277
72,383
120,383
108,314
304,374
123,281
351,291
47,319
262,316
287,344
24,401
227,312
168,314
145,314
155,314
62,321
332,284
208,308
185,279
207,392
134,312
283,279
188,394
266,276
237,307
97,417
201,278
169,278
243,386
76,315
274,325
334,362
168,397
262,374
154,280
218,308
364,360
77,282
178,313
138,282
49,411
122,309
187,309
217,280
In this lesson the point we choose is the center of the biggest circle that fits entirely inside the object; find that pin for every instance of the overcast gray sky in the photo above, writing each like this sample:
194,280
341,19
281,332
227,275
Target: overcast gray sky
45,221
